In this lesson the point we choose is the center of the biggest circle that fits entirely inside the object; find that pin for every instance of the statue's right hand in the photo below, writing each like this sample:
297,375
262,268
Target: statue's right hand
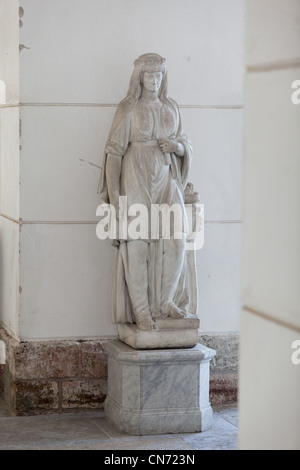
115,243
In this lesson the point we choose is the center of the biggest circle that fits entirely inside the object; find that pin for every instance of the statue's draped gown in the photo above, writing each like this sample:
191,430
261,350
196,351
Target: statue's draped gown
148,176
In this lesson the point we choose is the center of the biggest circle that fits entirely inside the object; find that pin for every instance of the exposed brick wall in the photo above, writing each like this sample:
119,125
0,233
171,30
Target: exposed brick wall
64,376
55,376
2,369
224,368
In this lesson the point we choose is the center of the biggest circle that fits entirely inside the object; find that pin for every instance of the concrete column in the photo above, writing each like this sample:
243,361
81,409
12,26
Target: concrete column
270,376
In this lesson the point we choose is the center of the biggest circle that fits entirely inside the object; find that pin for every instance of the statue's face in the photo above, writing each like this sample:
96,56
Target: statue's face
152,81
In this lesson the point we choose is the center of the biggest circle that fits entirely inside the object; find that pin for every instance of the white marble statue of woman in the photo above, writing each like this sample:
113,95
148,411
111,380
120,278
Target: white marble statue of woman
147,159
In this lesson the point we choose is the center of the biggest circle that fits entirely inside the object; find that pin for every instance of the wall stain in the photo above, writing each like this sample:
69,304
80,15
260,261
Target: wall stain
21,14
90,163
21,47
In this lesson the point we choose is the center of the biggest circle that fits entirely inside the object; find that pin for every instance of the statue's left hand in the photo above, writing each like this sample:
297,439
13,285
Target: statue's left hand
171,146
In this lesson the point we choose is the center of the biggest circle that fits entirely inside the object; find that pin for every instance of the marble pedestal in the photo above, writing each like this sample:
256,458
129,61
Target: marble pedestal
158,391
171,333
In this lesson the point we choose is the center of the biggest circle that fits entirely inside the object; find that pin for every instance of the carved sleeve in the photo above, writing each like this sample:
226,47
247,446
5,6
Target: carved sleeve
120,137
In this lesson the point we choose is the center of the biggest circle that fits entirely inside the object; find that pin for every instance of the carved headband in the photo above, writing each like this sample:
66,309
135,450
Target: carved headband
151,63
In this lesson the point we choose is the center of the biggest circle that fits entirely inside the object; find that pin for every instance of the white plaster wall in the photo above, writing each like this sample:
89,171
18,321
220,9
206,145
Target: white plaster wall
65,292
96,41
269,381
9,165
9,48
9,162
9,217
76,69
9,275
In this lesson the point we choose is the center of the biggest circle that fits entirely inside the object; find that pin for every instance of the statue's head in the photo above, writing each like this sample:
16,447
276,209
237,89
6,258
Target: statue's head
145,67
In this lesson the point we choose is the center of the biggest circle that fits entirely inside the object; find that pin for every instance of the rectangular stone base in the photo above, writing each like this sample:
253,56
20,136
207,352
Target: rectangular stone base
158,391
171,333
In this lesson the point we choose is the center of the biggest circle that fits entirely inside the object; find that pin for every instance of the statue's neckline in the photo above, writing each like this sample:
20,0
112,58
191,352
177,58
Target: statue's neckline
152,104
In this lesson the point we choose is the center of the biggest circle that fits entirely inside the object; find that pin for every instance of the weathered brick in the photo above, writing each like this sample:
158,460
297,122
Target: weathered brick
36,395
227,348
1,379
83,394
93,360
39,360
223,388
11,344
8,392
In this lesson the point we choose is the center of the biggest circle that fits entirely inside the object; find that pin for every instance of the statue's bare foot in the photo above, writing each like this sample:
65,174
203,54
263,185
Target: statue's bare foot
146,325
173,311
144,322
177,314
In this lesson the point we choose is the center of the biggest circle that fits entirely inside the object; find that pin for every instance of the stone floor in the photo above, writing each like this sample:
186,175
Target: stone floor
90,431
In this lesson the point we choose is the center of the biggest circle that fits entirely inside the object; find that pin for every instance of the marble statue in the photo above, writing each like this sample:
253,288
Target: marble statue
147,160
